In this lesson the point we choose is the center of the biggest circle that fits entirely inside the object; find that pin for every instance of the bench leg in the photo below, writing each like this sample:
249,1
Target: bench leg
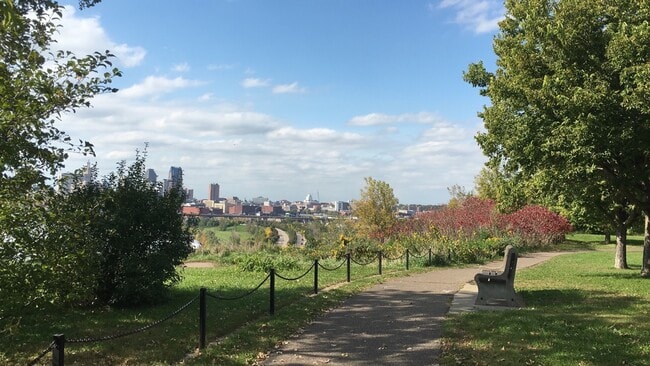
489,294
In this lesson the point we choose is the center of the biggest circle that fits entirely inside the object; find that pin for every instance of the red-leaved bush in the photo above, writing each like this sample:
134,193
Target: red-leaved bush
535,225
476,217
468,218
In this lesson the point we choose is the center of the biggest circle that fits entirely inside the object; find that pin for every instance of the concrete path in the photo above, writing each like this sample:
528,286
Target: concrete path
398,322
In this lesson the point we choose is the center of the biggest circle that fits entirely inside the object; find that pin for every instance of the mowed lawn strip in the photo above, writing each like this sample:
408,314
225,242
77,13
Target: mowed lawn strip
579,311
170,341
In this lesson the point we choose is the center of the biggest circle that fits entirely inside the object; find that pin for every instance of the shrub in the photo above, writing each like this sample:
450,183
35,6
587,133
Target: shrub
263,262
536,226
473,231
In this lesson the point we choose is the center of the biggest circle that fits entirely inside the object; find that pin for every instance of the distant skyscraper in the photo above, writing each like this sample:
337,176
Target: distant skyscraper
175,179
213,192
152,177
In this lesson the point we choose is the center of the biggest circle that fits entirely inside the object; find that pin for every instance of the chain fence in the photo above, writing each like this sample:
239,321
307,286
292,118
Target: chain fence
396,258
134,331
57,349
41,355
332,268
216,297
362,264
295,278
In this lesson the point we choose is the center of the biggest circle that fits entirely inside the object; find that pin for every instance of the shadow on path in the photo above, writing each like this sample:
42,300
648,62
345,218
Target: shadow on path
398,322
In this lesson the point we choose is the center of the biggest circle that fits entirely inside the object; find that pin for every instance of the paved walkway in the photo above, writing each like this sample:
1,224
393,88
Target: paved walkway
398,322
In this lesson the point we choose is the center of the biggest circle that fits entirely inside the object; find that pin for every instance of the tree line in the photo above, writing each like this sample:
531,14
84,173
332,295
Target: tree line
111,241
568,124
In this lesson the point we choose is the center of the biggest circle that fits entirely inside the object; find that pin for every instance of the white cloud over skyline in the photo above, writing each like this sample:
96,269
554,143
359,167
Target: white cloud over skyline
210,126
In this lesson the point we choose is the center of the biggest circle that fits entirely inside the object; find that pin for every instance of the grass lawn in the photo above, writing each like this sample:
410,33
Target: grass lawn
579,311
225,236
243,327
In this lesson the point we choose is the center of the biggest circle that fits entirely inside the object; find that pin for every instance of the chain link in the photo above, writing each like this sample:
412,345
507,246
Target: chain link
297,278
41,355
242,296
332,269
134,331
396,258
361,264
419,255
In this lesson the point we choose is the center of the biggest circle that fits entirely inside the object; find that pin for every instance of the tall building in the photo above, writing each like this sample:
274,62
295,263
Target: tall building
175,179
152,177
213,192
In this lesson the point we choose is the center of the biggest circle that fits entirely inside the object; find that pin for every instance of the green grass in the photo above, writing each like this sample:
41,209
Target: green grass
579,311
634,240
243,327
224,236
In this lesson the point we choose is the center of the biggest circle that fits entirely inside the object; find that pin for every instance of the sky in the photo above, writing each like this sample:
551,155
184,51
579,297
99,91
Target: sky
284,98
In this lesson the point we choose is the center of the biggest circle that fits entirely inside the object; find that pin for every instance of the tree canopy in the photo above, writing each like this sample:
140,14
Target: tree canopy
569,99
375,209
39,84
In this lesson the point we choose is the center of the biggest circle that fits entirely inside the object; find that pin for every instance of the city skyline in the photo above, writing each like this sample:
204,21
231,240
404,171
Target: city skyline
283,98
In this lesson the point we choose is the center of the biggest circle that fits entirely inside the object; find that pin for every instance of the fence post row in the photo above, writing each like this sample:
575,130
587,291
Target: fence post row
202,316
315,276
347,257
272,292
407,259
58,351
58,348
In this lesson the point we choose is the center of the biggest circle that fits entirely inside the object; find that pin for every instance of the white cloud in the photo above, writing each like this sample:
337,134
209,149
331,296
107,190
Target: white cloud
219,67
482,16
157,85
84,36
255,83
251,153
182,67
292,88
326,135
377,119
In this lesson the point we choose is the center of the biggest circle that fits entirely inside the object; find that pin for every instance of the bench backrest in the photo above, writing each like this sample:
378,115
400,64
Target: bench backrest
510,262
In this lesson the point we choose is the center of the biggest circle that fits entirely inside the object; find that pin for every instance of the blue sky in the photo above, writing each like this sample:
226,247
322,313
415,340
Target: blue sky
282,98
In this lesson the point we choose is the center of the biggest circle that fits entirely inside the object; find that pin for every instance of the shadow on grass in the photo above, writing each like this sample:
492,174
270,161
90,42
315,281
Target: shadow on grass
559,327
165,343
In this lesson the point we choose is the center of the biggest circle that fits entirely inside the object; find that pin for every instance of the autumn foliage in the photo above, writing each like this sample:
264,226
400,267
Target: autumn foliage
474,230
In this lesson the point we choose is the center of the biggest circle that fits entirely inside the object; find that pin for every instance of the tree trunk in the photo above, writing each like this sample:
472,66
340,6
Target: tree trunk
645,269
608,238
620,259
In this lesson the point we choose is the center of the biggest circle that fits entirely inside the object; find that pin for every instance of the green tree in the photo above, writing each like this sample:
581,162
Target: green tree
458,195
38,86
375,210
139,235
569,98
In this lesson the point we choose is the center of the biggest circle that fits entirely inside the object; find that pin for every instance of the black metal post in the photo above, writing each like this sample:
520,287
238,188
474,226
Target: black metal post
430,259
407,259
272,293
380,262
202,318
315,276
347,257
58,350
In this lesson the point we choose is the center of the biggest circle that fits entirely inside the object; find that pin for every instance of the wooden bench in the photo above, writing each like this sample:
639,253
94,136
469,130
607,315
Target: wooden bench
496,287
